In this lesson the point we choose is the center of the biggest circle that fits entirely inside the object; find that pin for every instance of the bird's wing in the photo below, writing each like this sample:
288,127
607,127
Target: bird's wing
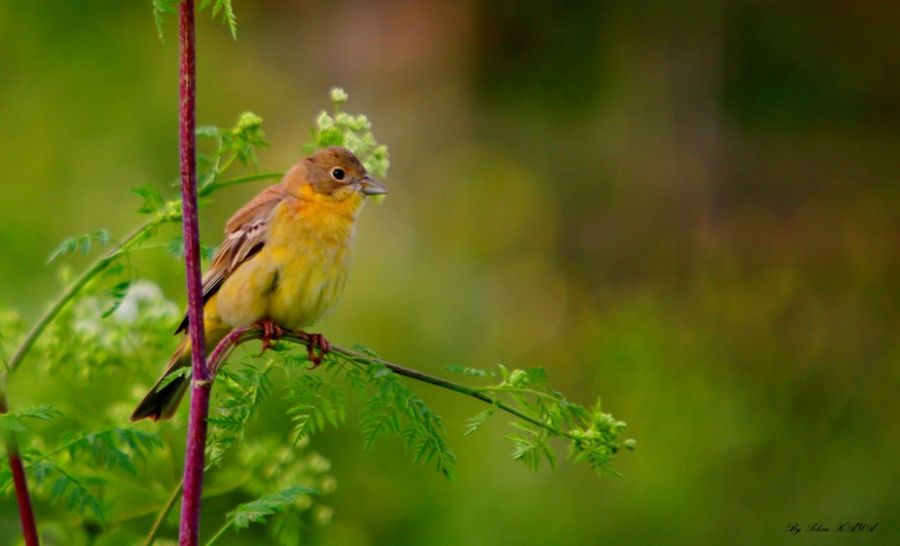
245,234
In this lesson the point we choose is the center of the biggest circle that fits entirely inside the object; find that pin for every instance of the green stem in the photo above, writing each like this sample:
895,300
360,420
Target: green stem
173,498
163,514
507,388
242,335
225,527
446,384
241,180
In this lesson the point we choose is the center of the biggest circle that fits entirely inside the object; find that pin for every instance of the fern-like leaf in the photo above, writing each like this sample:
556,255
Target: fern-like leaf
13,421
257,511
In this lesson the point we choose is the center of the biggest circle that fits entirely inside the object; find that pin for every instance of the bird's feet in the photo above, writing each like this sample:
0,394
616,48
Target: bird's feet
318,347
271,332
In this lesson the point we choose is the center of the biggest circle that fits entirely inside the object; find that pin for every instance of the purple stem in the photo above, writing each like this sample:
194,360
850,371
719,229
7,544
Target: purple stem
20,482
26,514
200,384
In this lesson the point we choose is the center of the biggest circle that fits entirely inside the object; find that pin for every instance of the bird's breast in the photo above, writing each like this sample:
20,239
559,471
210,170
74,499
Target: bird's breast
312,261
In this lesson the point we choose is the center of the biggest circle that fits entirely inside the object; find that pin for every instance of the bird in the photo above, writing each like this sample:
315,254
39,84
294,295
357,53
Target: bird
282,265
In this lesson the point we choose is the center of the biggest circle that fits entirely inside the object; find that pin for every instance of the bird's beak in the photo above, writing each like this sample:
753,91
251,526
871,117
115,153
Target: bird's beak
370,186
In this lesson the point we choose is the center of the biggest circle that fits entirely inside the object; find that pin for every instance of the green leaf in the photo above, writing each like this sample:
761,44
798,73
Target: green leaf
153,199
175,248
112,447
223,9
257,511
393,408
82,243
536,376
63,486
240,394
208,131
13,421
468,372
474,423
118,293
162,8
315,404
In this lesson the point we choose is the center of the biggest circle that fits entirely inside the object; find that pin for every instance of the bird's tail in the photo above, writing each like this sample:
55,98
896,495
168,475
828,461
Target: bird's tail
165,396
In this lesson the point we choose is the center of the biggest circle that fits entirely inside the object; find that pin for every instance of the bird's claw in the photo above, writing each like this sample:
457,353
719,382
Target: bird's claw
317,348
271,331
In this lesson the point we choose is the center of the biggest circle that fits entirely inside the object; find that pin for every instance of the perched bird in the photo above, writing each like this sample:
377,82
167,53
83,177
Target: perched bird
283,264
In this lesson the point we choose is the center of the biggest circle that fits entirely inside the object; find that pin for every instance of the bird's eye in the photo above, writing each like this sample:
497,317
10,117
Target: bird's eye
338,173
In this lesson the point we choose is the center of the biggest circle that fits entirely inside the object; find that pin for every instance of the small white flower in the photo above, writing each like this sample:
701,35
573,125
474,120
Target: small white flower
338,95
147,296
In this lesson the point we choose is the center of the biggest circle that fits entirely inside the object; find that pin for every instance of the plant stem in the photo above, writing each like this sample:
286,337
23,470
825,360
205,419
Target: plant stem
173,498
225,527
242,335
444,384
242,180
196,436
23,498
20,482
161,518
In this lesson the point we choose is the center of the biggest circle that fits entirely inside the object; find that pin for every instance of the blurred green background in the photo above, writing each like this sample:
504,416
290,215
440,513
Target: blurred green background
688,208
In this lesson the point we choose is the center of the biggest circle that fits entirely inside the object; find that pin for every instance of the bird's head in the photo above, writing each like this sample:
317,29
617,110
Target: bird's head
334,174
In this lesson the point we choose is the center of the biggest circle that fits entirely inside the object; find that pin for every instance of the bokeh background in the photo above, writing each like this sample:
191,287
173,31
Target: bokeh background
688,208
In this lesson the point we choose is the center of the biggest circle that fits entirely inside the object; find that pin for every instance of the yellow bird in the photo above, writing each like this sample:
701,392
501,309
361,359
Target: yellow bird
283,264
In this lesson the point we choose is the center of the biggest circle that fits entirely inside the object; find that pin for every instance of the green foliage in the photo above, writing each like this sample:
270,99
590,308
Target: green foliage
59,486
153,199
475,422
271,464
238,143
238,396
389,407
594,436
468,372
13,421
223,9
220,8
82,243
392,407
315,404
161,10
111,447
108,327
257,511
354,132
598,441
77,471
175,248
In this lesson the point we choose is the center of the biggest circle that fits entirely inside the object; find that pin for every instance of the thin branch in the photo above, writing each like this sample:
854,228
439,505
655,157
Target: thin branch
163,514
222,530
189,529
242,335
242,180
